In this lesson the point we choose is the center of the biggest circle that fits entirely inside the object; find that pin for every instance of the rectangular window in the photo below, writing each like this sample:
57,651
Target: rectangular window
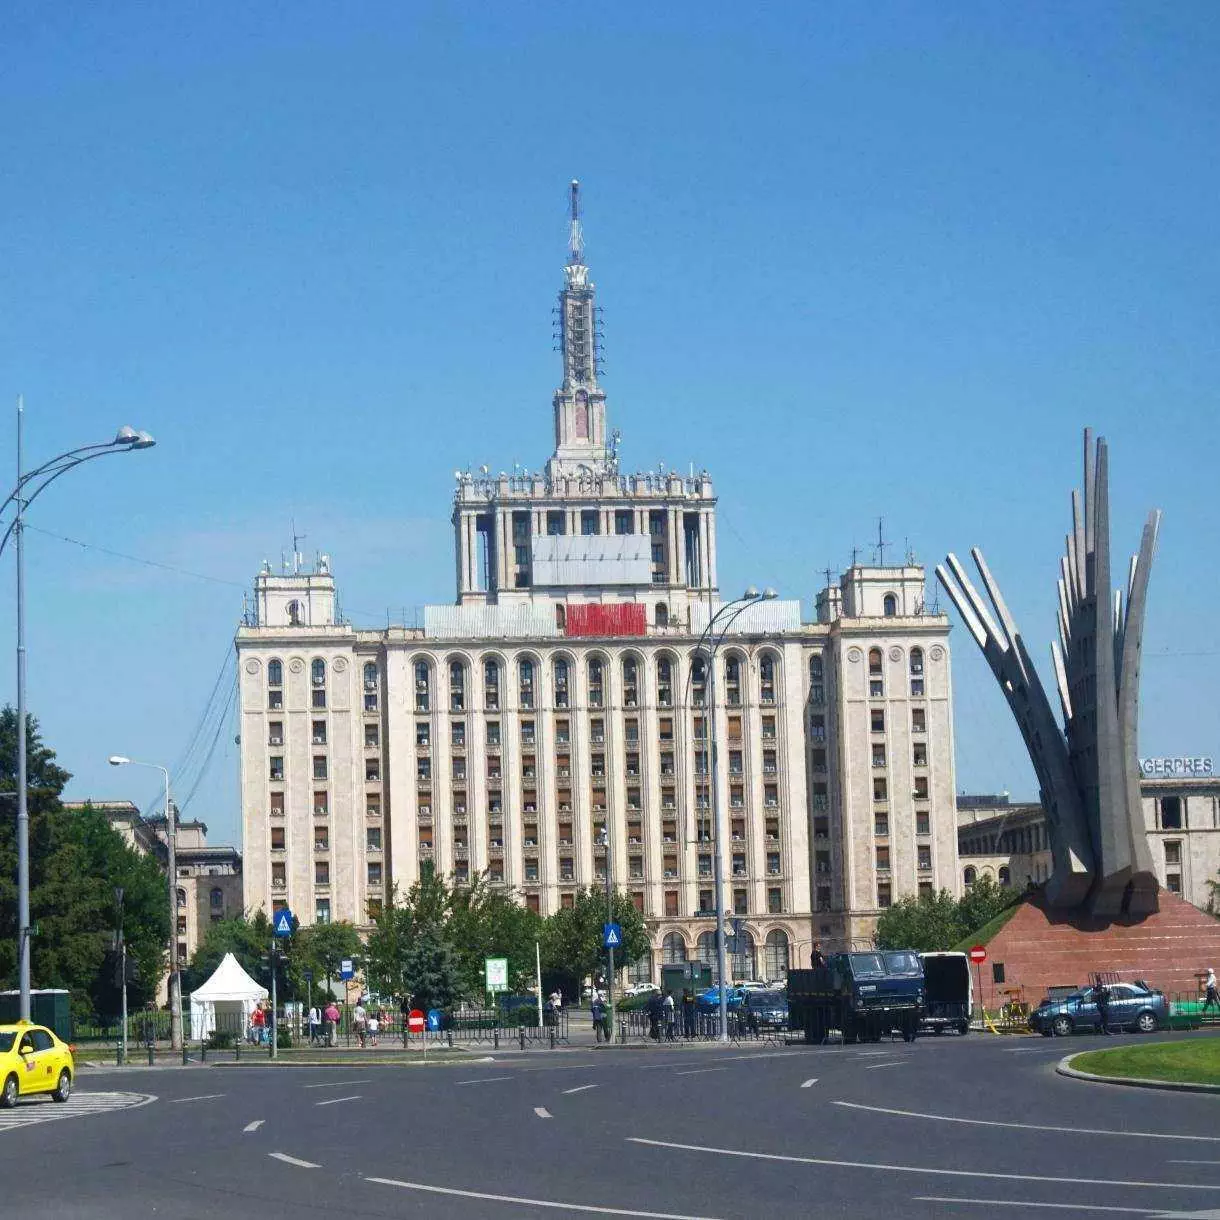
775,901
319,766
321,872
459,768
877,720
1171,812
921,787
771,795
276,766
923,823
279,878
739,864
372,805
1173,882
635,867
319,732
883,859
423,768
623,523
321,838
275,733
531,870
372,736
1173,853
317,697
919,720
423,734
919,754
881,824
878,754
671,902
555,522
879,788
705,901
740,902
823,898
925,857
372,839
883,894
528,737
773,864
277,838
493,733
876,688
817,728
457,734
533,902
321,910
917,688
275,700
372,770
588,522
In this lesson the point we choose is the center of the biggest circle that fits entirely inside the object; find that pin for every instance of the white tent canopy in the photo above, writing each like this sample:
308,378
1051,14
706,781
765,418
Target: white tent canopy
226,1000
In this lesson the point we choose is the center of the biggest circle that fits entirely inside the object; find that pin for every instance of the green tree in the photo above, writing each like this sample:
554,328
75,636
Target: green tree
981,903
486,922
76,860
572,937
431,974
249,940
322,948
426,906
927,923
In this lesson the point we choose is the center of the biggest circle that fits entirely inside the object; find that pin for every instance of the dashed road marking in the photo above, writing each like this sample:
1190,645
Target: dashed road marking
177,1101
79,1105
548,1203
580,1088
994,1122
483,1080
1117,1183
254,1126
292,1160
808,1084
542,1112
1071,1207
699,1071
895,1063
334,1101
335,1084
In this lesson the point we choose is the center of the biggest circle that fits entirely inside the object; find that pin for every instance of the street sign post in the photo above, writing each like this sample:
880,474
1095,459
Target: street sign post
495,971
282,923
345,969
416,1021
978,954
612,936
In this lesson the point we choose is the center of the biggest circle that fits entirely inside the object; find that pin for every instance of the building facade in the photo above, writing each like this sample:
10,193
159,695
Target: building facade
553,723
1009,842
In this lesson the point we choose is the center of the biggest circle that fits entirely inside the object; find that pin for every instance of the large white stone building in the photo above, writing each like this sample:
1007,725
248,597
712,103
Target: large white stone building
563,693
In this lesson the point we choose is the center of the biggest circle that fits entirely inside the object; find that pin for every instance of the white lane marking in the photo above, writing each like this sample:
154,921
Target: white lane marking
334,1101
761,1055
292,1160
483,1080
872,1067
79,1105
177,1101
1194,1162
808,1084
1071,1207
551,1203
542,1112
951,1173
700,1071
869,1054
336,1084
580,1088
993,1122
254,1126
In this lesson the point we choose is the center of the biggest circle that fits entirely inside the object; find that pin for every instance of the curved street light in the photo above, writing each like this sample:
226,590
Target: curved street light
30,485
707,646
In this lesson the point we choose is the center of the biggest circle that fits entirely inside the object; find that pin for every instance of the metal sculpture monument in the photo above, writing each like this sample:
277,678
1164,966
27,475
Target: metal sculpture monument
1088,771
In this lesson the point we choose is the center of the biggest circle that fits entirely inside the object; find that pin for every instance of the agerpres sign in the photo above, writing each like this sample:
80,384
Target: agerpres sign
1192,768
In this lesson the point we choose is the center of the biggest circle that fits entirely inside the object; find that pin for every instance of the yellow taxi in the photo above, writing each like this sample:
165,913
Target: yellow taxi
33,1060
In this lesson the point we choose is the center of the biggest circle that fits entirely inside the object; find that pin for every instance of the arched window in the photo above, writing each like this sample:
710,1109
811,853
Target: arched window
661,615
423,686
969,876
525,682
275,673
294,614
766,679
596,683
182,897
673,949
889,605
698,681
874,662
216,898
631,682
457,686
706,953
916,662
876,677
491,684
775,956
1005,876
732,681
816,668
665,682
640,970
317,672
370,676
561,683
741,964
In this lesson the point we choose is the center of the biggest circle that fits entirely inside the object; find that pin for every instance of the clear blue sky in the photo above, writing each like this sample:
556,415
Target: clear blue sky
857,260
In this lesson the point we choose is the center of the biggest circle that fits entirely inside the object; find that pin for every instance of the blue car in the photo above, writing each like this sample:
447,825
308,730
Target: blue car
709,1000
1132,1006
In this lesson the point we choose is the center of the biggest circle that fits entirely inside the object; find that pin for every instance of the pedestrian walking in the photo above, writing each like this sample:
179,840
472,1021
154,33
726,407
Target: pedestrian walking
330,1015
688,1013
1212,997
667,1006
1101,997
597,1010
655,1010
258,1025
315,1024
374,1026
360,1019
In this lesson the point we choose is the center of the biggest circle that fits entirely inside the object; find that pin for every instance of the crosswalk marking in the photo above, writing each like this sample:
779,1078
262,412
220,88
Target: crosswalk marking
39,1110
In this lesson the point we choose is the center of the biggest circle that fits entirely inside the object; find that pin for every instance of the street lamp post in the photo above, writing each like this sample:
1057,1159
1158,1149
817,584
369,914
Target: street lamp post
605,837
171,864
708,645
118,902
30,484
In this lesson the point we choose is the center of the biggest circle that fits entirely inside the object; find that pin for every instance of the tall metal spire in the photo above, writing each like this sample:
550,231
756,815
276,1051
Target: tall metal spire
576,239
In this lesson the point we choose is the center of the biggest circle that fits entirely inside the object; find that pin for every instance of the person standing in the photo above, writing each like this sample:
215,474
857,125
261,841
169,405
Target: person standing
597,1010
360,1020
668,1007
258,1022
1212,996
315,1022
655,1011
1101,997
374,1025
688,1013
816,959
331,1015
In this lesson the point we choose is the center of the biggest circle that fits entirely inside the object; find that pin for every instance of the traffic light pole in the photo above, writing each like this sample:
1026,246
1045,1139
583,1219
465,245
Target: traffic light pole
275,1033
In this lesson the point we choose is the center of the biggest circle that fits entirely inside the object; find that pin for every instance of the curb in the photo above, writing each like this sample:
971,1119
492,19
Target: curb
1064,1068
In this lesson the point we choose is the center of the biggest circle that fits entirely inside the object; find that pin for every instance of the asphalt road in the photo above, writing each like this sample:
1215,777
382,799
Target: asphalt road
947,1127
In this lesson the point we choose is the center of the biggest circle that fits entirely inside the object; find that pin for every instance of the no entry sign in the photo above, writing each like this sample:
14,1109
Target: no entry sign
416,1021
978,954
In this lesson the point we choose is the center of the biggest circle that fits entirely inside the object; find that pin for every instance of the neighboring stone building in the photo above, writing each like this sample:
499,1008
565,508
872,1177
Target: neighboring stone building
1181,817
564,693
209,878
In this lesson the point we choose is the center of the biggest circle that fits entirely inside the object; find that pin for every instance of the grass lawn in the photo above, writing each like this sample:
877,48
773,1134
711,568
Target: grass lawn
1197,1061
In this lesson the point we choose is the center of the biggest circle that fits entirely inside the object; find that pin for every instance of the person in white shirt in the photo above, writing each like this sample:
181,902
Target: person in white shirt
1211,997
315,1021
360,1021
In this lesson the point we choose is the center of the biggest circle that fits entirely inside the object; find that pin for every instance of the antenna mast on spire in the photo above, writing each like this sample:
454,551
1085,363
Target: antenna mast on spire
576,238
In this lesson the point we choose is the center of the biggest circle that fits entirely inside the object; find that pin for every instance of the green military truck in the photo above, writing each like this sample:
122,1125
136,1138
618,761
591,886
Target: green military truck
862,995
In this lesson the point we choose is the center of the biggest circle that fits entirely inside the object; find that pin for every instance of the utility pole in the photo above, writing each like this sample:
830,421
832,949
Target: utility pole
274,1031
118,899
610,948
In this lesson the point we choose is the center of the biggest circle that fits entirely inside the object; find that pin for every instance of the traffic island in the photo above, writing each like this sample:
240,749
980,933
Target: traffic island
1190,1067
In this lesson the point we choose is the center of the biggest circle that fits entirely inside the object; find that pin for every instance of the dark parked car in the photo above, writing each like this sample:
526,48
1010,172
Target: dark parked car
1132,1006
764,1009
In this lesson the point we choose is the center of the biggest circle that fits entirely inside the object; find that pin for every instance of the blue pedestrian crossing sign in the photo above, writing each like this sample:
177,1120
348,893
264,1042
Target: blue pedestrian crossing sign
612,936
282,924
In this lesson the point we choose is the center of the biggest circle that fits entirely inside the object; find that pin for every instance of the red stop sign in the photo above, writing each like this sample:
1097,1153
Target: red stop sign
978,954
415,1022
